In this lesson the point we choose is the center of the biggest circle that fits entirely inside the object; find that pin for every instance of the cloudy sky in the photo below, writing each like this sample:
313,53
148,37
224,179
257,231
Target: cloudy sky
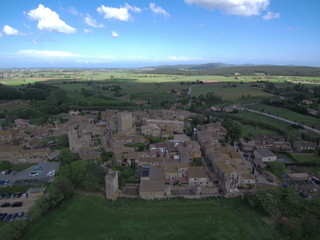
116,33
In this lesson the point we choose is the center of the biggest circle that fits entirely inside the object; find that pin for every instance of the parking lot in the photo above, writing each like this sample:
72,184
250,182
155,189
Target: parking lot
26,204
44,168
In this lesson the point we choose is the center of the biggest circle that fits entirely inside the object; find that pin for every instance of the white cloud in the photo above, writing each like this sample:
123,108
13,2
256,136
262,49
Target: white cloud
132,8
158,10
87,31
271,15
114,34
47,53
233,7
49,20
7,30
92,22
121,13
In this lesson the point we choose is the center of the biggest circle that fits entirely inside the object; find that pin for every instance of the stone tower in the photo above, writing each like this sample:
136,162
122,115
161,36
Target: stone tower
124,121
112,189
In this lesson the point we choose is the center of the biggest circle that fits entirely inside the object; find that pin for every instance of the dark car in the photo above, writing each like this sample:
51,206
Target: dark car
16,204
220,191
5,204
8,217
2,196
18,195
3,215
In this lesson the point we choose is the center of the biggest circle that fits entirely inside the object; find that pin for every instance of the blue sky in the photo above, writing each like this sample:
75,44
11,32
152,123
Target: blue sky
116,33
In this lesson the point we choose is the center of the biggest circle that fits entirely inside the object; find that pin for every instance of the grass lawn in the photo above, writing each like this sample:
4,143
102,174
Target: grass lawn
89,217
248,131
306,158
288,114
285,126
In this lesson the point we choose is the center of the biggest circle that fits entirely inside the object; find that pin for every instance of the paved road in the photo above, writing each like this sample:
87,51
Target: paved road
285,120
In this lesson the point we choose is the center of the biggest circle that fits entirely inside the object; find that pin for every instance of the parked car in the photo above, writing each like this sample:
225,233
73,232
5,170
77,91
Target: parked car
34,174
3,215
2,196
38,168
5,204
16,204
20,214
18,195
25,195
6,172
8,217
51,173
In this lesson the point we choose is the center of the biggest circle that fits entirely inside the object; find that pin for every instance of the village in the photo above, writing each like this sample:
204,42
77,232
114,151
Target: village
167,163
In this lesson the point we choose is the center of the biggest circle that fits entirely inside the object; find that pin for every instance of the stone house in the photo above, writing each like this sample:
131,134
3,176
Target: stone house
300,146
197,176
265,155
152,184
151,130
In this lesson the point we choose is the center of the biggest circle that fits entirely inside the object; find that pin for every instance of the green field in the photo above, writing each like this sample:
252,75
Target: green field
248,131
306,158
88,217
283,125
288,114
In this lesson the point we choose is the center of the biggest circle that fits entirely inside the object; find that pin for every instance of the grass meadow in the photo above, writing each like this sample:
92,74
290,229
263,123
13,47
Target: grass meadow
89,217
288,114
283,125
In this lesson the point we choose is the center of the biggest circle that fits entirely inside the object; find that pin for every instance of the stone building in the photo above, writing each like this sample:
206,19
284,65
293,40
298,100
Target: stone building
112,187
124,121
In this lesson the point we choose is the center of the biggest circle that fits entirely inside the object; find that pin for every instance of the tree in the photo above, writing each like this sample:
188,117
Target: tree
234,129
278,168
79,169
62,141
59,190
94,176
67,157
4,165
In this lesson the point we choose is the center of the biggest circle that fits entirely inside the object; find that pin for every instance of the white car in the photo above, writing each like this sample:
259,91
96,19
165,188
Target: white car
51,173
34,174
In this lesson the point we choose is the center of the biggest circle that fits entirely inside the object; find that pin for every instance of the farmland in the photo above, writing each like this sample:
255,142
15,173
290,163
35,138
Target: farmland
159,219
288,114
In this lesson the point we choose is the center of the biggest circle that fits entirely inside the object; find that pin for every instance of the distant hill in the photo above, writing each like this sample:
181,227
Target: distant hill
230,70
191,66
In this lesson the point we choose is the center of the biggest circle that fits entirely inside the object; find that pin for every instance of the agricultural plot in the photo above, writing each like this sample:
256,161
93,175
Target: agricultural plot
306,158
85,217
288,114
229,92
274,122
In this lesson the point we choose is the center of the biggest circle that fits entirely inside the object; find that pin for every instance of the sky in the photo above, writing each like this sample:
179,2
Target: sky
131,33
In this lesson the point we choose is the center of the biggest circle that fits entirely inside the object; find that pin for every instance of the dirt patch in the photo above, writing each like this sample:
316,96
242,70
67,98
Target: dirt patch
14,105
